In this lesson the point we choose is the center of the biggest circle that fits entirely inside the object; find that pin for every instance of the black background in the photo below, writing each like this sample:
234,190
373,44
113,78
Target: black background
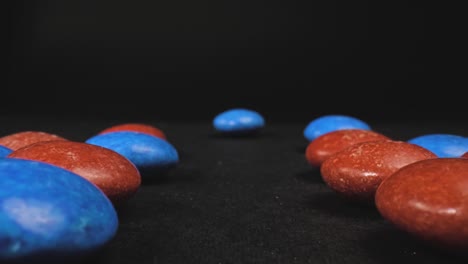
188,60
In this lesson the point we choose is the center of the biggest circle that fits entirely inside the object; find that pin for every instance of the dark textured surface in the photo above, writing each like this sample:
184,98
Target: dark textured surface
248,200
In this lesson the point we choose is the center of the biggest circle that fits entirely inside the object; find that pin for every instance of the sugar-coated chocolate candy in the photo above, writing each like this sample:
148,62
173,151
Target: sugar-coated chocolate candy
429,200
329,123
238,121
465,155
20,139
358,170
4,151
48,213
330,143
114,174
136,127
443,145
145,151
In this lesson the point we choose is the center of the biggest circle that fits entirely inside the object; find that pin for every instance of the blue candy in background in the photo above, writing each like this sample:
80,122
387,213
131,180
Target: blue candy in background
329,123
443,145
4,151
146,152
238,120
48,213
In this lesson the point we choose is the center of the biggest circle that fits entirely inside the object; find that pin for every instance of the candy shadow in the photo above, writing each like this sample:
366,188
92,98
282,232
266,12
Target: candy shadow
183,155
334,204
390,245
310,176
242,136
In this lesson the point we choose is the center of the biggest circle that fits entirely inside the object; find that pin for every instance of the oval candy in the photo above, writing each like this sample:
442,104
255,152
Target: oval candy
429,200
114,174
145,151
21,139
136,127
4,151
358,170
330,143
329,123
238,120
443,145
47,212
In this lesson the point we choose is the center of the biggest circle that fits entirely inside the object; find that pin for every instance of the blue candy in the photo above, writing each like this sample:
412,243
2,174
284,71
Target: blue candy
4,151
443,145
144,151
238,120
329,123
47,212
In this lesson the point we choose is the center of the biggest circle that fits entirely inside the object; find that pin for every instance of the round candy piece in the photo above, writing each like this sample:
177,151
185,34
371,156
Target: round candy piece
358,170
330,143
465,155
111,172
25,138
238,120
4,151
48,213
145,151
443,145
329,123
136,127
429,200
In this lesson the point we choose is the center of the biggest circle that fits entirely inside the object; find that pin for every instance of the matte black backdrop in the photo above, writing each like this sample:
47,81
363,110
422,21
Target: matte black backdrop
186,60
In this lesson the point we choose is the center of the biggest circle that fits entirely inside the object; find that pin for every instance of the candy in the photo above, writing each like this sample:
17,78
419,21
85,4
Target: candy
329,123
238,120
136,127
4,151
47,212
443,145
330,143
24,138
357,171
114,174
145,151
429,200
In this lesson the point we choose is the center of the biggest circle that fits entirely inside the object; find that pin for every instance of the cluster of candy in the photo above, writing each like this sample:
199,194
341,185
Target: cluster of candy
419,185
58,196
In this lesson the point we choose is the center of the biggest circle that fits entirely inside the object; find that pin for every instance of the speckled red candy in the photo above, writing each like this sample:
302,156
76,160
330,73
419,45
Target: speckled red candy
136,127
429,200
25,138
357,171
114,174
330,143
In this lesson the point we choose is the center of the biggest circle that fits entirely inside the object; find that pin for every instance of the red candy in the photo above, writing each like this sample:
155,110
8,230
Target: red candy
330,143
25,138
358,170
465,155
429,200
135,127
114,174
